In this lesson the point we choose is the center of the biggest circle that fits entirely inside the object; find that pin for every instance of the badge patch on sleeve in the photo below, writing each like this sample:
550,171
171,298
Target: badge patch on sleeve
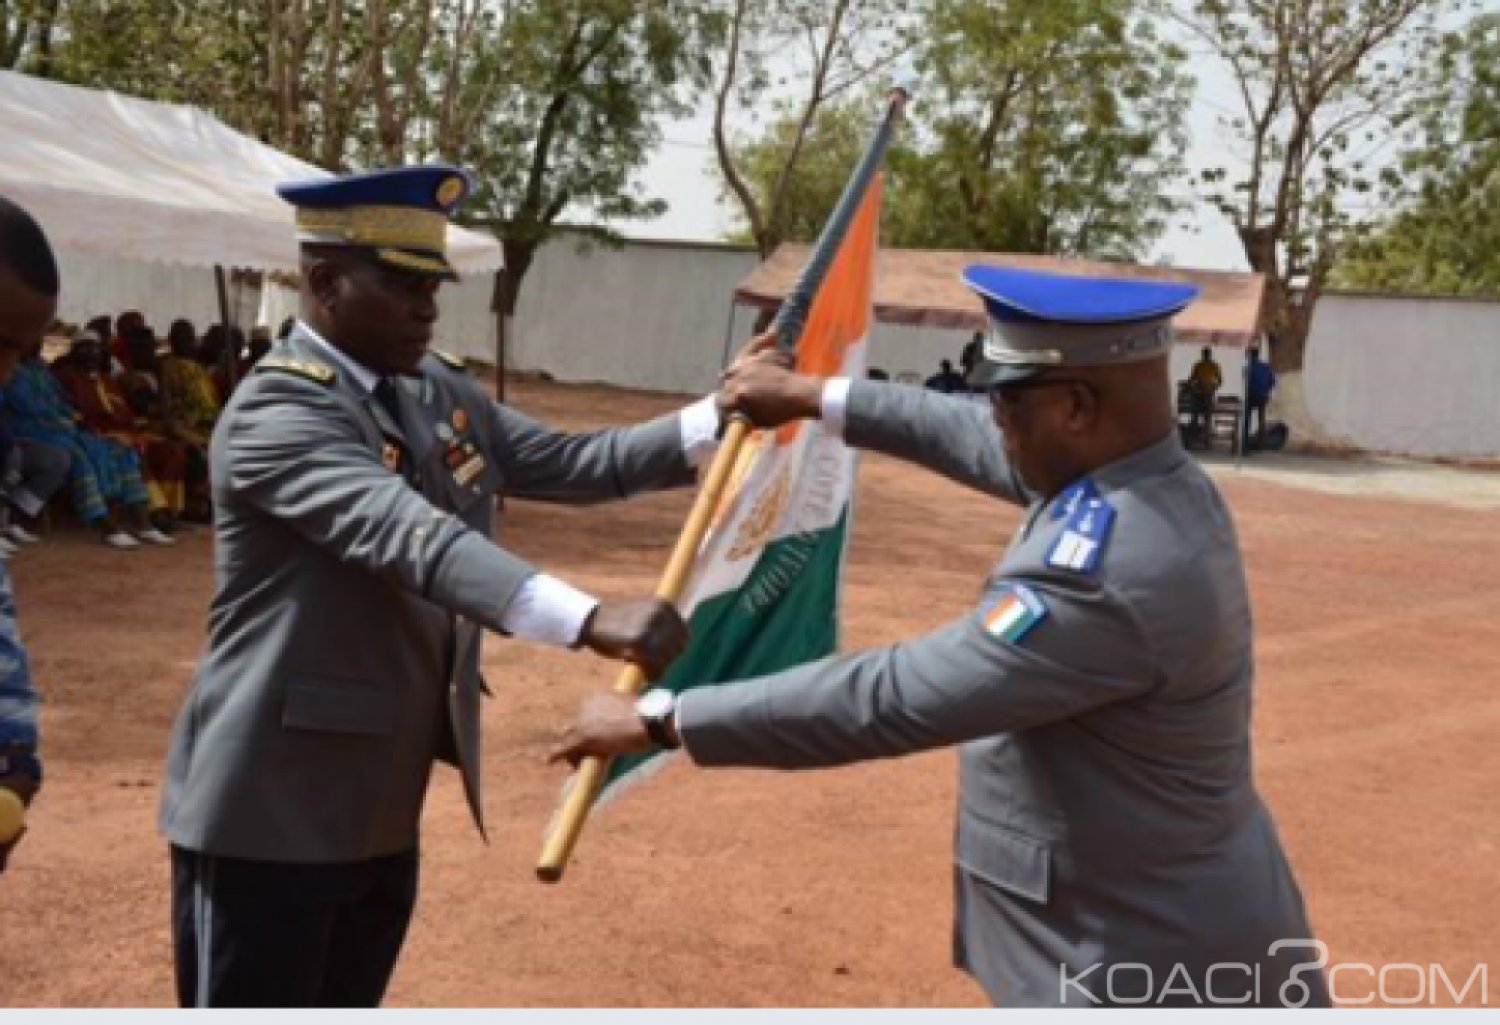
1081,544
1012,611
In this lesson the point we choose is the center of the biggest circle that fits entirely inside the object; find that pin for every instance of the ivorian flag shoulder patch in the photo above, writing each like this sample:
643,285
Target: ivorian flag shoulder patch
1011,611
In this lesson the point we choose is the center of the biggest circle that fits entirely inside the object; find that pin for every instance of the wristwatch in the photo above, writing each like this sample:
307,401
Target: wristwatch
656,708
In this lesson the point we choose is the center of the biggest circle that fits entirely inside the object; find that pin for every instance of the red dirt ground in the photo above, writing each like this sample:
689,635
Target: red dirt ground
1379,645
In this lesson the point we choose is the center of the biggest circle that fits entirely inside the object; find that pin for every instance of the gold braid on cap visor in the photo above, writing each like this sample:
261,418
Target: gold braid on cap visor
397,227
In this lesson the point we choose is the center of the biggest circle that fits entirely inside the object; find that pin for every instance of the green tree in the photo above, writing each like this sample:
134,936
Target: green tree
793,58
831,144
1039,126
170,50
27,32
554,106
1446,240
1323,84
337,82
1056,127
577,113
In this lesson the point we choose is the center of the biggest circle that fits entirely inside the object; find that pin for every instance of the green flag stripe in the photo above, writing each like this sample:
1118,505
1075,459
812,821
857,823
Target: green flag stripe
785,614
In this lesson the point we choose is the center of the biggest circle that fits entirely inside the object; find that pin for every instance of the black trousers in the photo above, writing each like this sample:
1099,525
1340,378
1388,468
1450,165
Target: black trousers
269,934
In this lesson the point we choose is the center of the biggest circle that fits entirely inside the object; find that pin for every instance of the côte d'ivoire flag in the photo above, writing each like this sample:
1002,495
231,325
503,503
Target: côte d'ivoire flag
764,594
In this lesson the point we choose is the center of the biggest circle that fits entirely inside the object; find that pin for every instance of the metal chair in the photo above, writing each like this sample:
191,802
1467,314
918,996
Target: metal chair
1227,421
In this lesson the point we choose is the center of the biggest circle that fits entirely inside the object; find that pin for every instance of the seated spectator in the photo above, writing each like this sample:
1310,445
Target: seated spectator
30,474
105,476
103,327
126,324
142,388
188,392
105,410
946,380
215,357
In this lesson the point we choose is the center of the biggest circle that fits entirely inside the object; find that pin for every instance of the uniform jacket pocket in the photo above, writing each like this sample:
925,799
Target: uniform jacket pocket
1005,857
339,706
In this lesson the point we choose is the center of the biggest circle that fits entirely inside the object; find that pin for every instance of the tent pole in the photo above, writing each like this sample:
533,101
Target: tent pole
229,353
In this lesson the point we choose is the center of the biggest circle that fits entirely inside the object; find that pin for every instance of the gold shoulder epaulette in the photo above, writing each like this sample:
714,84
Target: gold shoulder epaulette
448,358
310,369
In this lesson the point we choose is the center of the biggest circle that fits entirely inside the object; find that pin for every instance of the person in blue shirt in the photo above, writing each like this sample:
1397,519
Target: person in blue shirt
28,301
1262,384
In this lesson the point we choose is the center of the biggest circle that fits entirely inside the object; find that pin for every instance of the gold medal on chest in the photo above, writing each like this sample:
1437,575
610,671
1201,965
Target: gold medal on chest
390,455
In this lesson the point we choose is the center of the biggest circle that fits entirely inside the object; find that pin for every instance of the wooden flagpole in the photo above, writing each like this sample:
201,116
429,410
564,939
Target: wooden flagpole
790,319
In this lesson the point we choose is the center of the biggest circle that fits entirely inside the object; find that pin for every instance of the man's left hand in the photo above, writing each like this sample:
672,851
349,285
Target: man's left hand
607,726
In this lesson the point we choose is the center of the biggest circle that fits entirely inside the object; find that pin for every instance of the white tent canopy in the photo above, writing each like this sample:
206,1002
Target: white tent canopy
113,176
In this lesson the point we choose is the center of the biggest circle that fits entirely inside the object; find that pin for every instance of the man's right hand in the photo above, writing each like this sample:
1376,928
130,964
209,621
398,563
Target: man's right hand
649,632
762,387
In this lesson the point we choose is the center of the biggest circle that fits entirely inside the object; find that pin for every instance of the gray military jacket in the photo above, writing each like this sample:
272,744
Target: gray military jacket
354,569
1108,828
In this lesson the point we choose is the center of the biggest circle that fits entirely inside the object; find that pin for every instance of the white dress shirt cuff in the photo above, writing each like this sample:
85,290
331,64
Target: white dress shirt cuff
700,431
548,611
834,404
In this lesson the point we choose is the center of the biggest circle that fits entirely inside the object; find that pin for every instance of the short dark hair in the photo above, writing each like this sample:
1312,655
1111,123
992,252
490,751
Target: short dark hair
25,250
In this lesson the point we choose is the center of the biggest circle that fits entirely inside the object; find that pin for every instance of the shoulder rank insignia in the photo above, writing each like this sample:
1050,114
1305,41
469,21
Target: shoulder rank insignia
449,360
1080,546
1011,610
310,369
1066,504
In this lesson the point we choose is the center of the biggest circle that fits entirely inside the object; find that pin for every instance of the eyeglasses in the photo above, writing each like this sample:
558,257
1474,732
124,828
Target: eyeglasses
1010,393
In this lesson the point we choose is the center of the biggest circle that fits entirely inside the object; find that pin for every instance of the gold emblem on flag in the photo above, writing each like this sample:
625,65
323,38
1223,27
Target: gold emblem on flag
764,518
390,455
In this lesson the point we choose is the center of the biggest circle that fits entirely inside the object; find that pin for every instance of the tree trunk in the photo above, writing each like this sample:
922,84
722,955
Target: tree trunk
1286,326
518,256
1290,405
1289,402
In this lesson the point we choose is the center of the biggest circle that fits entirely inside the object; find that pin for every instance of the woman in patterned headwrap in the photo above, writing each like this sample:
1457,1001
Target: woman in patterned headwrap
106,411
190,399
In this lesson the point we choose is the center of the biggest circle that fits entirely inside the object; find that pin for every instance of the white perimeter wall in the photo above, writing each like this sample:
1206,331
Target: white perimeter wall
1389,374
1410,375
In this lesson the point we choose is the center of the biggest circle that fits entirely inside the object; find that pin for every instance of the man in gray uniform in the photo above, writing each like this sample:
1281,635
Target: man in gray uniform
355,477
1111,847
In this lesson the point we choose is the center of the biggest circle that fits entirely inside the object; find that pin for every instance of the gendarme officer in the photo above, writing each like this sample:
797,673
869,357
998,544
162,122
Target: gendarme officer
1111,846
355,477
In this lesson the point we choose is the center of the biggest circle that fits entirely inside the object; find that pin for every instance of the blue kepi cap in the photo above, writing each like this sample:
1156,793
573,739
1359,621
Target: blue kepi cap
400,214
1039,320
